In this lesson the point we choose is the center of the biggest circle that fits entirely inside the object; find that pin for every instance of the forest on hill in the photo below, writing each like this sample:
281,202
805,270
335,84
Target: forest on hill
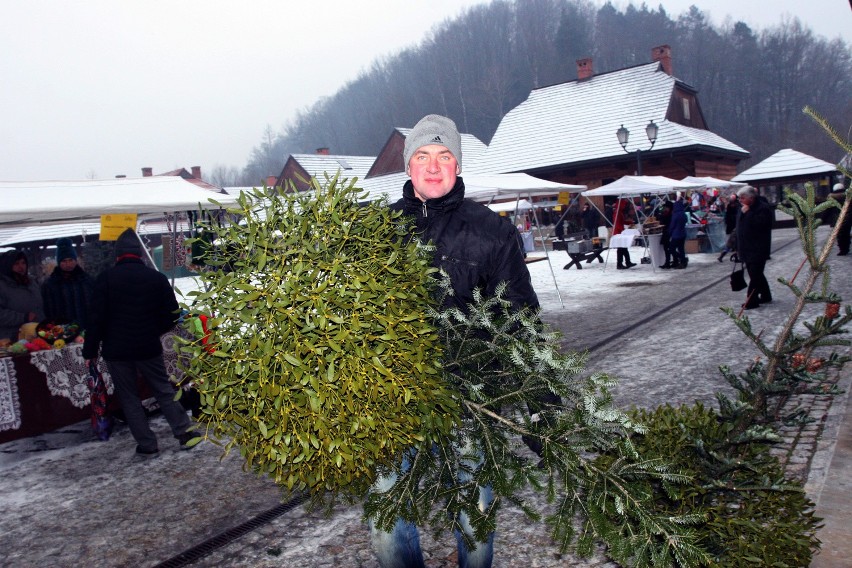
752,84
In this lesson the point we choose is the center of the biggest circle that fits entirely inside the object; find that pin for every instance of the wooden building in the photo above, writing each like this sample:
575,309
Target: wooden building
300,168
567,132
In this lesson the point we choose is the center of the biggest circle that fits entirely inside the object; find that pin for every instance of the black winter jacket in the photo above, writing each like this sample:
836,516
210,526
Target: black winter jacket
474,245
754,232
133,306
68,298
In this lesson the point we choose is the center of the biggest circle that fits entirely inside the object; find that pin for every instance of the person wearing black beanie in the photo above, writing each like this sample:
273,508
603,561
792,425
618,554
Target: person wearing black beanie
67,292
128,244
133,306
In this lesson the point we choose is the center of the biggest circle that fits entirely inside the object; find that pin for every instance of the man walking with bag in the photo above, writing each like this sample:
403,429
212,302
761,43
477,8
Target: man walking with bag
133,306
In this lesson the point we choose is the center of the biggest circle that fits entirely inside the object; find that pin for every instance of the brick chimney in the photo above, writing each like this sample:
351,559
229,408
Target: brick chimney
323,151
196,172
663,54
147,172
271,181
584,68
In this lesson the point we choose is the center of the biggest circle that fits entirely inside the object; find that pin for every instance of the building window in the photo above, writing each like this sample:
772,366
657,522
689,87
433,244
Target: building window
685,103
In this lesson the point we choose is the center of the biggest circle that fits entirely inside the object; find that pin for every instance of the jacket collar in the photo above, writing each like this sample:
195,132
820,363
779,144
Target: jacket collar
129,258
448,202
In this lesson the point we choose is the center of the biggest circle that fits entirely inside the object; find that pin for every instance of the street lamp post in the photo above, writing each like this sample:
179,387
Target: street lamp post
624,134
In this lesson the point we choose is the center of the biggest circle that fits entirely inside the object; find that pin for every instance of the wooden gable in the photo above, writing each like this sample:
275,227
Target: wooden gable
294,172
390,159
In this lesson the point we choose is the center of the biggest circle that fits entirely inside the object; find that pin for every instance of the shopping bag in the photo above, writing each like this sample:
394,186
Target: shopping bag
101,421
738,281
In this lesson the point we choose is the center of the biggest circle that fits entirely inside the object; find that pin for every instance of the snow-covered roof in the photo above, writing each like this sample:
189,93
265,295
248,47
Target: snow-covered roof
785,163
388,185
349,166
577,121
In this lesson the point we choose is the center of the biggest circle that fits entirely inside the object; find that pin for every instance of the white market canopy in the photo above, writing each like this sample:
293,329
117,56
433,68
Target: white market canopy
786,163
478,187
484,187
635,186
519,205
34,202
713,183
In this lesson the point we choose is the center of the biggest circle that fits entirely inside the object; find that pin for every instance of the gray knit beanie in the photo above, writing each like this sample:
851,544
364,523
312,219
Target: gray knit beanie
433,129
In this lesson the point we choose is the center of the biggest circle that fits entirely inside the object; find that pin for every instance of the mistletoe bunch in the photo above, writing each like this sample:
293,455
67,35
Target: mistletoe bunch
321,363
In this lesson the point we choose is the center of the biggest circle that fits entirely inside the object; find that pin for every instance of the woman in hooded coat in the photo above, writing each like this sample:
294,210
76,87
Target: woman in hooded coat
20,297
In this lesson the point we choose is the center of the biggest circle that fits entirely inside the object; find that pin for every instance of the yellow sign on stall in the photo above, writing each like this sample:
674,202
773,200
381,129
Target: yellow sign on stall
114,224
564,198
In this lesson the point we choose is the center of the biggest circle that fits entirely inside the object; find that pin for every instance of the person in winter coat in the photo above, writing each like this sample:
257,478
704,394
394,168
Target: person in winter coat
590,221
731,210
133,306
478,249
622,217
20,298
677,234
67,293
665,240
843,234
754,240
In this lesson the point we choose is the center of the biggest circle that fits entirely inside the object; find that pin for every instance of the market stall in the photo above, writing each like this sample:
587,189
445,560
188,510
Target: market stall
707,231
631,188
486,188
45,390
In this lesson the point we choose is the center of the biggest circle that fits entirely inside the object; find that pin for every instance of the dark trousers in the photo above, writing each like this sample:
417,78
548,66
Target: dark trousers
666,243
843,237
758,287
623,256
154,372
678,254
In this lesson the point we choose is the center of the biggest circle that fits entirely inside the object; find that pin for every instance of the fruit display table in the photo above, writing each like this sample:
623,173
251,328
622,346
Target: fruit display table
46,390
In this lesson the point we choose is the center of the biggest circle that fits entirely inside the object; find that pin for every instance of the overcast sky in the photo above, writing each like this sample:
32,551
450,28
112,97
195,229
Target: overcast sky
100,88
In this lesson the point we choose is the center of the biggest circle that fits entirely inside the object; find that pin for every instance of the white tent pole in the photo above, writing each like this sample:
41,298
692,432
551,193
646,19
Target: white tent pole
546,255
147,252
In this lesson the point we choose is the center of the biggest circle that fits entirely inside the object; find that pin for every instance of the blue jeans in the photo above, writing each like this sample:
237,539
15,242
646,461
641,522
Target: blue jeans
400,548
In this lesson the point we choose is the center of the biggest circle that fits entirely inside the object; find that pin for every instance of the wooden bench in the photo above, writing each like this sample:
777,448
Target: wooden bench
578,257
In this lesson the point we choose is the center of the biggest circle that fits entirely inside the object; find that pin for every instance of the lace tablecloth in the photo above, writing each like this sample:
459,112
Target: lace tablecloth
10,406
67,373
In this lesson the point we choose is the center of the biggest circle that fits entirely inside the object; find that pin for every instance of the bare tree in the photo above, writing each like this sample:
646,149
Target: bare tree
475,68
225,176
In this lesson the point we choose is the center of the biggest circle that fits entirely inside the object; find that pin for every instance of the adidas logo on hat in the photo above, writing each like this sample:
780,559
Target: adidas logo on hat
437,139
